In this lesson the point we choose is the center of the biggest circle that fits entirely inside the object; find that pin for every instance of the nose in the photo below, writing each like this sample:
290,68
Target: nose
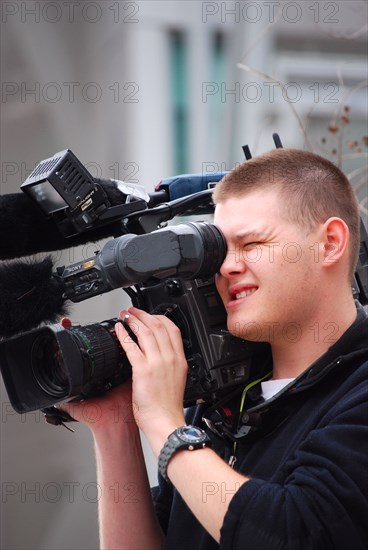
233,263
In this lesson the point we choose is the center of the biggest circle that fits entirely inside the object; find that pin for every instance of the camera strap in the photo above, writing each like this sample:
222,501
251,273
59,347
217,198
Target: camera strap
57,417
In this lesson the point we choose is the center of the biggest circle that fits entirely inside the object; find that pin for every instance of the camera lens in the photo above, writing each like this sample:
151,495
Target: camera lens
105,363
48,366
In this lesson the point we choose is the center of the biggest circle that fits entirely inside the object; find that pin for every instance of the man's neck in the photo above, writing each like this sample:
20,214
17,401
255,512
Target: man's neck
315,337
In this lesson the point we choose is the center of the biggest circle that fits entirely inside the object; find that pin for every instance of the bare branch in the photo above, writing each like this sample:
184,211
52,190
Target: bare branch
272,79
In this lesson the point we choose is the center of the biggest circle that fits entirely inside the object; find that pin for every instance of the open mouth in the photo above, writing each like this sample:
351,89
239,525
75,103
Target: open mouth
239,294
244,293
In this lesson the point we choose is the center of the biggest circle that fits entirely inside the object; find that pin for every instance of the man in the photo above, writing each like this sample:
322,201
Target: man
288,464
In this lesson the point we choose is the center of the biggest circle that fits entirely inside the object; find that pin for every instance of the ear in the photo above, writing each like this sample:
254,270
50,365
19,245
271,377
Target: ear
335,241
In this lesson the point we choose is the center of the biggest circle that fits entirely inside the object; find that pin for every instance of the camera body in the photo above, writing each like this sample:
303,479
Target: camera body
217,360
52,364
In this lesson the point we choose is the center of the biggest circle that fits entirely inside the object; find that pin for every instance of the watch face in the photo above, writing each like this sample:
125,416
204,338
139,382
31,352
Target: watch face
191,434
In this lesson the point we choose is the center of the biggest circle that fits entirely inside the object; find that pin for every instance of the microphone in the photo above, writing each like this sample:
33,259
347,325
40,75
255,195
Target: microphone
29,294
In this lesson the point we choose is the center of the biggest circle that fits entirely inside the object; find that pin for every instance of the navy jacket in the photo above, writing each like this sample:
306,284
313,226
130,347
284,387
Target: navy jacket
307,456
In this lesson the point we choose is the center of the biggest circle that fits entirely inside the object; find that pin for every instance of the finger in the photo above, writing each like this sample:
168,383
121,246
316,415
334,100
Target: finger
173,331
131,349
152,333
130,329
169,332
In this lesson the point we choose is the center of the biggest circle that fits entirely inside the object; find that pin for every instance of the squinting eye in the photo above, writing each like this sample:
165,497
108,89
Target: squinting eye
248,246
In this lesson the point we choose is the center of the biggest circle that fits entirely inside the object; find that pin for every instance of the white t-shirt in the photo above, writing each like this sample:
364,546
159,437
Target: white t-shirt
272,387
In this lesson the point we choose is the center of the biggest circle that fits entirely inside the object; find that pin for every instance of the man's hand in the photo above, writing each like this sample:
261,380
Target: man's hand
153,400
112,408
101,412
159,373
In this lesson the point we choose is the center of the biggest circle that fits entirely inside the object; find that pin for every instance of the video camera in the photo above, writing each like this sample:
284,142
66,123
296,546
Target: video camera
168,271
165,270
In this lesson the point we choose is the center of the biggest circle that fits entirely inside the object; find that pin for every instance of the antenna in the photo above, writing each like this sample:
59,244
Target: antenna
247,152
277,141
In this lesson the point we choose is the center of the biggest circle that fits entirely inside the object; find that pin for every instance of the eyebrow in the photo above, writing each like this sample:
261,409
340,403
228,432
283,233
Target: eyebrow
251,233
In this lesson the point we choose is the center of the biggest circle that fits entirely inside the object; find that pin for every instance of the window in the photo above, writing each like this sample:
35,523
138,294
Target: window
179,94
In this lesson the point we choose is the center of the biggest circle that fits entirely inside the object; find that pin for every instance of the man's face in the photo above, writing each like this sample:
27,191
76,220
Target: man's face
270,279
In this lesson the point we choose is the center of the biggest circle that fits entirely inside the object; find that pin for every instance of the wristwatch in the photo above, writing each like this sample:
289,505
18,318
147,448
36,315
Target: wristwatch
187,438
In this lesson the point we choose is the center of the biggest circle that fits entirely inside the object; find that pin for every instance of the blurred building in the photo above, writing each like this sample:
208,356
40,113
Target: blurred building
140,91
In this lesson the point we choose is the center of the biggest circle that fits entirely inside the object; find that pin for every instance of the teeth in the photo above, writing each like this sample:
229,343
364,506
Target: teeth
245,293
